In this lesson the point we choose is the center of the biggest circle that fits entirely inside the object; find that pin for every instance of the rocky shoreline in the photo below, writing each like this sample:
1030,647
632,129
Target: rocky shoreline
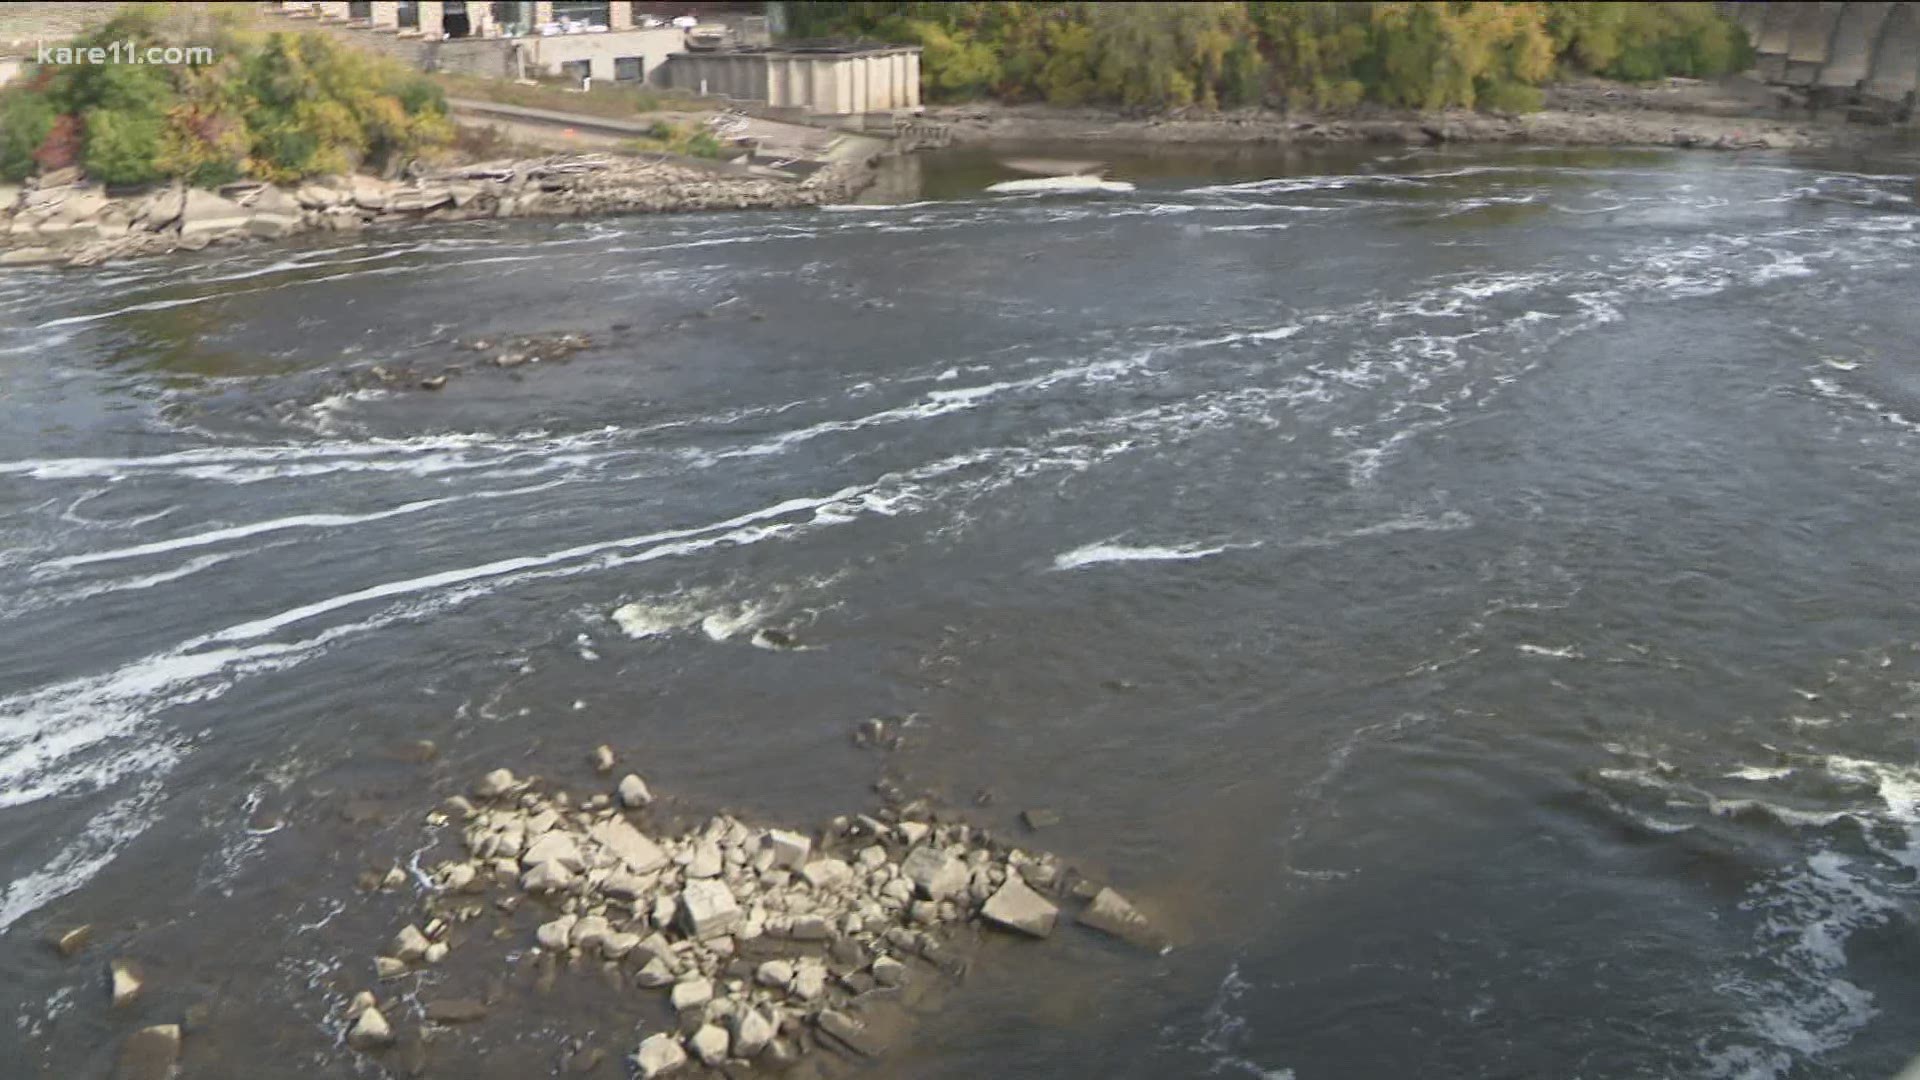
62,219
770,948
1686,114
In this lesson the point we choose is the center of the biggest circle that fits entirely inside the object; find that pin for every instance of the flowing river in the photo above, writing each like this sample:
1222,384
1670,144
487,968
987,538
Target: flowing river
1471,598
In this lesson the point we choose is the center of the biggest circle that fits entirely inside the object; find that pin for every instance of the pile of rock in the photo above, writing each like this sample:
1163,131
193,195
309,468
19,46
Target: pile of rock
61,218
769,944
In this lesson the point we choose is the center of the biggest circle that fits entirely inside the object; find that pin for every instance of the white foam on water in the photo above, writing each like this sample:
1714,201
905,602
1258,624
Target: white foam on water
1109,552
291,522
1553,652
1226,1029
99,841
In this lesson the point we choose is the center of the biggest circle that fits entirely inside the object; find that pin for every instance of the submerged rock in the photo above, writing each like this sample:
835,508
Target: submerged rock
149,1054
1110,913
633,792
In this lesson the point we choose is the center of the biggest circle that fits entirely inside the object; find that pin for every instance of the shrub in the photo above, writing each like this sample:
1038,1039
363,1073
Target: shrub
61,148
123,145
26,119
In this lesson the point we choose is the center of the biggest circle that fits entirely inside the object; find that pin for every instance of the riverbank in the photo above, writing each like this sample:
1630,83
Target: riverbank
1734,114
62,219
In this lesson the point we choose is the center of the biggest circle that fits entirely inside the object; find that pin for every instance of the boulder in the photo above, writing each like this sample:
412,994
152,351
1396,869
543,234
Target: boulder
149,1054
419,200
708,909
1017,907
790,849
71,940
59,177
602,759
659,1055
706,861
630,845
555,847
368,193
370,1032
124,979
934,874
777,974
826,873
205,214
273,225
1110,913
691,994
889,972
318,196
554,936
710,1044
752,1031
28,256
273,200
161,209
410,944
633,792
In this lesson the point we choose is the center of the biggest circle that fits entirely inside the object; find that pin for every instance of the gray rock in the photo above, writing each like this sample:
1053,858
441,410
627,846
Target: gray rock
1017,907
28,256
370,1032
1110,913
72,940
149,1054
889,972
633,792
708,909
825,874
691,994
601,758
710,1044
752,1031
659,1055
641,855
410,944
546,877
654,975
850,1032
934,874
777,974
494,784
810,981
706,861
206,214
125,980
388,967
273,226
790,849
555,847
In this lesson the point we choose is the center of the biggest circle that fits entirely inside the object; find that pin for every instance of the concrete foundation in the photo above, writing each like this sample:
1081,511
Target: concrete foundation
820,83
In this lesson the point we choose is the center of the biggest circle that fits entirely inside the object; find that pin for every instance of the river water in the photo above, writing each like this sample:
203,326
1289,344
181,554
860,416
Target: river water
1468,597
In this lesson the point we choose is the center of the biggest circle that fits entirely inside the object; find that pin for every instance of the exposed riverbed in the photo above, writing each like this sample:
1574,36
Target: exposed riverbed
1467,597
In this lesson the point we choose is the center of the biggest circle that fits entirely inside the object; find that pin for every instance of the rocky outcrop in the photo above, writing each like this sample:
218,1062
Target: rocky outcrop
767,943
61,218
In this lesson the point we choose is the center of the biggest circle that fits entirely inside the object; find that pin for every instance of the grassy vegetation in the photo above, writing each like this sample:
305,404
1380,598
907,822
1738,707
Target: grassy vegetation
689,140
272,106
618,101
1427,55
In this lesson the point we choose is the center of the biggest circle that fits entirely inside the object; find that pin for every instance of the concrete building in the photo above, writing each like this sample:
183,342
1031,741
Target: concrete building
509,39
1867,53
825,80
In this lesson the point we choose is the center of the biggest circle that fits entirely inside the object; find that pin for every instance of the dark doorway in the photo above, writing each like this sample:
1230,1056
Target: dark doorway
454,19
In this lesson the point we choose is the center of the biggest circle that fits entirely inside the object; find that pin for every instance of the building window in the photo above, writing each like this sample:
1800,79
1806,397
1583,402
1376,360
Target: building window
360,9
582,12
409,14
575,70
629,69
